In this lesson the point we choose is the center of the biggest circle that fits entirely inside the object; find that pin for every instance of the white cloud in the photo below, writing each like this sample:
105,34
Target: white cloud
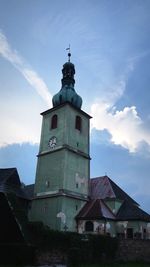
125,126
17,124
30,75
37,83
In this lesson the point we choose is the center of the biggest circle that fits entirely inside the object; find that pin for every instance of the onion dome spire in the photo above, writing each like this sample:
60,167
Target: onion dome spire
67,92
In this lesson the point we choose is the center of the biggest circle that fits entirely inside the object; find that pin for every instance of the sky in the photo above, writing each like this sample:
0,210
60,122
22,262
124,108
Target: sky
110,47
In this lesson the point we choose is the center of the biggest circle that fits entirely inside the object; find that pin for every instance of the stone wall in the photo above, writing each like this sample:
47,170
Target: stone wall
134,250
43,257
128,250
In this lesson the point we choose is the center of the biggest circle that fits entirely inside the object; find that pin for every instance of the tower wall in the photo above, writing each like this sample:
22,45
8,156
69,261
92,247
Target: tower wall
63,167
62,174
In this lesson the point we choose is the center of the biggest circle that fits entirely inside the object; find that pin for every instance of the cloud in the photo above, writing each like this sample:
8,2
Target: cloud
17,123
19,63
37,83
20,156
125,126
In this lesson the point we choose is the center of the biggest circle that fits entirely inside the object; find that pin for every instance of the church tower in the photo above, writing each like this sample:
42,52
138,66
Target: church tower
63,166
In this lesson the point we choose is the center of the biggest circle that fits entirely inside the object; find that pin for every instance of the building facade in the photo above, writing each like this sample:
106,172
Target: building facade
63,167
64,197
110,211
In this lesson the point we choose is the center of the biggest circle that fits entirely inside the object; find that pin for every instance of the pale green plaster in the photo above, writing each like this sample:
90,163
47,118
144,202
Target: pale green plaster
64,167
65,132
45,210
114,204
70,208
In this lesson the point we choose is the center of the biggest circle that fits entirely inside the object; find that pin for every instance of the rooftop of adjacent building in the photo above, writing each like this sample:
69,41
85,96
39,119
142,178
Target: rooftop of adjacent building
10,182
103,187
102,191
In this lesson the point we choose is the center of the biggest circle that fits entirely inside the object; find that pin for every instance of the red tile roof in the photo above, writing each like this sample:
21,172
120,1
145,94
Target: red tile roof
103,187
95,209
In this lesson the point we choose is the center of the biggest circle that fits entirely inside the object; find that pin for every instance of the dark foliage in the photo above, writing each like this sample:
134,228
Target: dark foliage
16,254
79,248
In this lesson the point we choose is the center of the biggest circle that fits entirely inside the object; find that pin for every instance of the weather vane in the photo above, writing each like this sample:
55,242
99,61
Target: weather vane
69,54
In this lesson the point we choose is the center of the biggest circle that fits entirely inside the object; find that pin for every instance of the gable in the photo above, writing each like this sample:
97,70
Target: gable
5,174
10,182
100,188
103,188
95,209
113,204
129,211
9,176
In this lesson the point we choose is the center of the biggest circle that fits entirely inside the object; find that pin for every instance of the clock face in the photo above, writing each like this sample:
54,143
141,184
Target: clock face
52,142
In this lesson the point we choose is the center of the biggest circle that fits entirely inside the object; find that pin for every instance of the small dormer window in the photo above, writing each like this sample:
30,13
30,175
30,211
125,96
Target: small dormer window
78,123
54,120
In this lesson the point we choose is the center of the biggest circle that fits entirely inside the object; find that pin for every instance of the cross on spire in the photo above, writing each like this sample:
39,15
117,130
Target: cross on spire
69,53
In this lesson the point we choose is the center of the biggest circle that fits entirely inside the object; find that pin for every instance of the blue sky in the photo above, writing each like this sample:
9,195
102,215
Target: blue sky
110,45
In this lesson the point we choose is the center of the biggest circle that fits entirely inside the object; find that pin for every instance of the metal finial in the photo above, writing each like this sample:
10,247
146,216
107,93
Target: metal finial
69,54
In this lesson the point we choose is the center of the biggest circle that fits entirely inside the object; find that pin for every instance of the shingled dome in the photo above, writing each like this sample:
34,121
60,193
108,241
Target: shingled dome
67,92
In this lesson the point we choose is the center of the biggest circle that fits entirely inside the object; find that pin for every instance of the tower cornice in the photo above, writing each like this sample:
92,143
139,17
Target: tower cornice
69,148
65,104
61,193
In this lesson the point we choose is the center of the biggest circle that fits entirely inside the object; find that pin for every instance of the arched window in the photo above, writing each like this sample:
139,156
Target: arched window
89,227
54,122
78,123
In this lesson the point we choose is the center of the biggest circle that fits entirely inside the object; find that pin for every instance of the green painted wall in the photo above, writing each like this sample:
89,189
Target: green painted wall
114,204
46,210
49,168
61,170
65,132
64,167
70,208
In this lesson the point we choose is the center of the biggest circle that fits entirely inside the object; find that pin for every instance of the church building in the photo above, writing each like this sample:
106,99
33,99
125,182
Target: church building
63,167
64,197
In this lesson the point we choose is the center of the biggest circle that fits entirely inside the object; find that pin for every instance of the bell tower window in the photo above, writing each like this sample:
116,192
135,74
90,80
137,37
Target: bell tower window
54,121
78,123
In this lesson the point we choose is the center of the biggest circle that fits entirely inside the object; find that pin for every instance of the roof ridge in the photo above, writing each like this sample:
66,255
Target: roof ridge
29,184
111,181
92,204
99,177
7,173
7,168
134,212
108,179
